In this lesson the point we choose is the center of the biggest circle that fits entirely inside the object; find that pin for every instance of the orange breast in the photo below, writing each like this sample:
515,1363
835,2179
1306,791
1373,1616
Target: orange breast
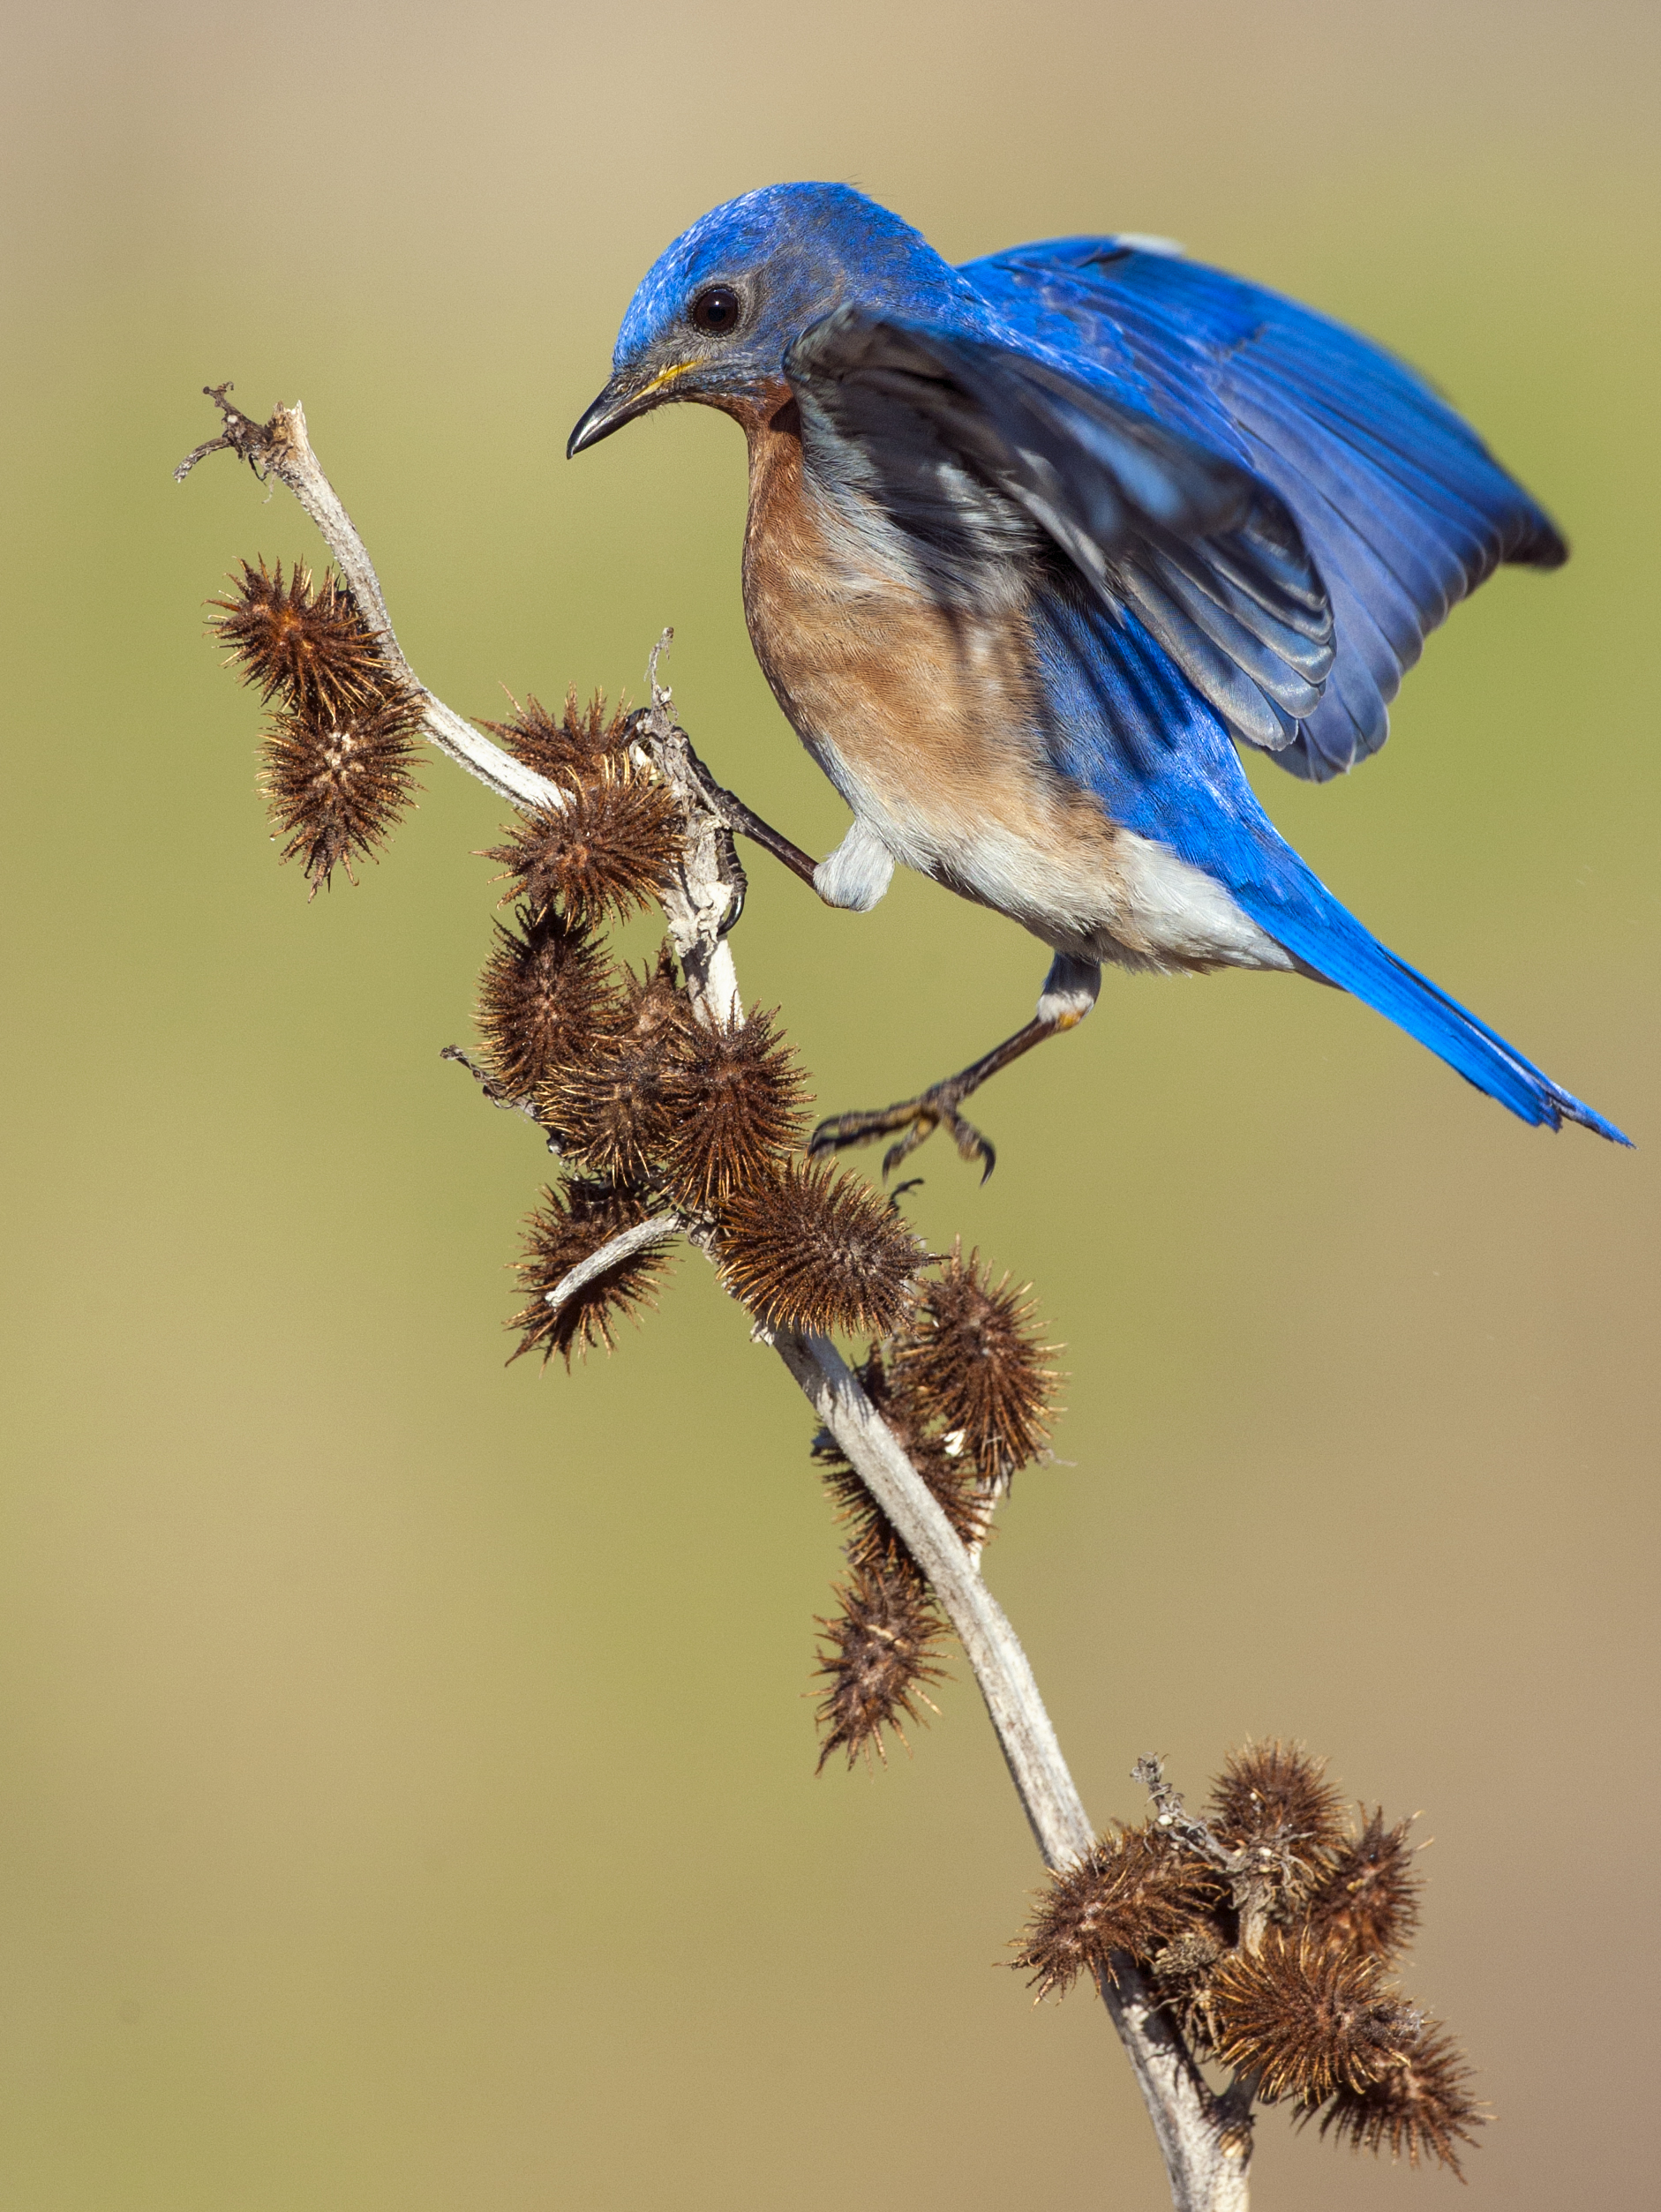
923,718
866,664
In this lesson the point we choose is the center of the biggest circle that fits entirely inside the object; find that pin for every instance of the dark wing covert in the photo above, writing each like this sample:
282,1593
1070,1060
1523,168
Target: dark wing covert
1401,506
1159,520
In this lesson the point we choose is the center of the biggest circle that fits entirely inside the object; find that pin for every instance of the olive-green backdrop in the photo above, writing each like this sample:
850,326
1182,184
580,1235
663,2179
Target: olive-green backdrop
406,1799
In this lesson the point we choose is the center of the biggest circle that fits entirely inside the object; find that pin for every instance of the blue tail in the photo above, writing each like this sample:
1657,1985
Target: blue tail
1327,937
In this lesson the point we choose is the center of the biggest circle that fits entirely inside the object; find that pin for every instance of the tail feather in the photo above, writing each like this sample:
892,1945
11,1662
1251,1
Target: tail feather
1328,939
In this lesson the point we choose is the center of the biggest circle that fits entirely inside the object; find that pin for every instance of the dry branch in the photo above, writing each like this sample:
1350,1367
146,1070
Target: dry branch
280,448
1205,2138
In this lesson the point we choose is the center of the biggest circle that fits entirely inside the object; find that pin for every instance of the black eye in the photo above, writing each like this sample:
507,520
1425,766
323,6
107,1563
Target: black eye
717,309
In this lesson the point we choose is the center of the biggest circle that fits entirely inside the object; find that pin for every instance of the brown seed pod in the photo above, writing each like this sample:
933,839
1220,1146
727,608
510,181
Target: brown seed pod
735,1099
1418,2106
544,1001
810,1249
1132,1894
566,1228
1272,1799
1182,1972
311,647
607,1106
570,747
336,786
608,850
953,1481
877,1657
1308,2018
971,1358
1369,1898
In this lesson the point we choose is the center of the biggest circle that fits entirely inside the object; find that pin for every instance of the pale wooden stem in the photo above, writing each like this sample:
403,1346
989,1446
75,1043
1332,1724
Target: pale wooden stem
703,898
640,1237
290,456
1046,1788
1205,2141
1207,2152
1205,2159
280,448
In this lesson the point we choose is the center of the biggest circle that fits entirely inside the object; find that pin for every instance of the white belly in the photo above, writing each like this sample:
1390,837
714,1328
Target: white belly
1186,916
1084,886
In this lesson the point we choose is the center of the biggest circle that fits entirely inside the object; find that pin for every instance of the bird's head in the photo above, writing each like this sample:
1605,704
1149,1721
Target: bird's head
719,312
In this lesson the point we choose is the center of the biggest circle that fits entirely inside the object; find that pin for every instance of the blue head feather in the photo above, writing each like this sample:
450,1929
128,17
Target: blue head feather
792,252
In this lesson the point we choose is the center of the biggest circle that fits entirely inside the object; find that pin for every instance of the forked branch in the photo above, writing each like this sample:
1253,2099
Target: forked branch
280,448
1205,2138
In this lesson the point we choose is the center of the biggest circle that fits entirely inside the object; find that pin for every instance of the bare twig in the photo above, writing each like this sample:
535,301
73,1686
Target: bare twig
1205,2145
1171,1814
280,448
638,1238
1205,2138
706,894
1206,2141
509,1101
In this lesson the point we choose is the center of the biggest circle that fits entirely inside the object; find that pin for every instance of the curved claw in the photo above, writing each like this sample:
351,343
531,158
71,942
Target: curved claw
917,1119
842,1129
936,1108
922,1128
972,1146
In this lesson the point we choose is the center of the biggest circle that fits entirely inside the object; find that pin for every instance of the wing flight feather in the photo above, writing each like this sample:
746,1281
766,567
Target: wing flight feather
1159,522
1397,503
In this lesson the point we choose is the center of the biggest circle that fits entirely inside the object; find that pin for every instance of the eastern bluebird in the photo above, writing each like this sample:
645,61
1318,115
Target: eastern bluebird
1035,543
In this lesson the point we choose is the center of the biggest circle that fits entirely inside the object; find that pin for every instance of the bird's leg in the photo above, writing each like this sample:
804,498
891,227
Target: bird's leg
732,810
933,1109
1069,994
855,876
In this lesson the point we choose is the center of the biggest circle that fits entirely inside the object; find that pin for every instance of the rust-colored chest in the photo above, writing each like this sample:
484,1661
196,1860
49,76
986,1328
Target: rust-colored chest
893,692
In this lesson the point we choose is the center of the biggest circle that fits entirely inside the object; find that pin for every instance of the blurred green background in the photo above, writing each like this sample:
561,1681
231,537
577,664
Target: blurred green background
407,1798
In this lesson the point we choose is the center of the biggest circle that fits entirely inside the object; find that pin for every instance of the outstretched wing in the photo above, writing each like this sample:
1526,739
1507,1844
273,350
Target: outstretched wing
1160,523
1399,503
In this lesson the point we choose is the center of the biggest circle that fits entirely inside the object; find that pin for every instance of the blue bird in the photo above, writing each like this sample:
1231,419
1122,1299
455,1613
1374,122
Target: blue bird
1034,545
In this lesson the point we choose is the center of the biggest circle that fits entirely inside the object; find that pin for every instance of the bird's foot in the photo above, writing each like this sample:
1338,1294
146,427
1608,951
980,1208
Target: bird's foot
918,1118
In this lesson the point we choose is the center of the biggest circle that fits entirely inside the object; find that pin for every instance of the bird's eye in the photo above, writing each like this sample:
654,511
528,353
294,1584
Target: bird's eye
716,310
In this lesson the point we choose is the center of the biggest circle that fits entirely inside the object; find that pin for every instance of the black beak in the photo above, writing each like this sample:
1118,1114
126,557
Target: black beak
623,400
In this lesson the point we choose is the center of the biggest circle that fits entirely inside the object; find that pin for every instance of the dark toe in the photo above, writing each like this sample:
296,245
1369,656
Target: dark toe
972,1146
914,1121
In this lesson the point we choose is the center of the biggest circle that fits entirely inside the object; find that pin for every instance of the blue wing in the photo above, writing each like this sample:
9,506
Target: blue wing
1126,724
1400,504
1186,610
974,447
